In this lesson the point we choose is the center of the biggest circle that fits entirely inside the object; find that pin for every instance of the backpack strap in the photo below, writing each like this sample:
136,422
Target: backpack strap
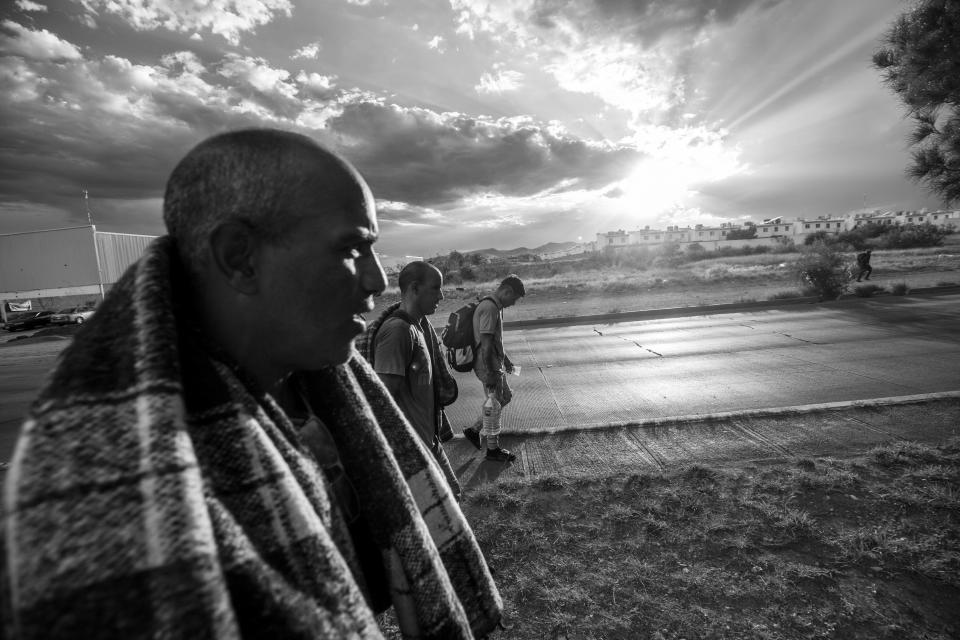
403,315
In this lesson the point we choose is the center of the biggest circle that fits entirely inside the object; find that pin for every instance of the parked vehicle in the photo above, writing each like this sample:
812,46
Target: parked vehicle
30,321
73,315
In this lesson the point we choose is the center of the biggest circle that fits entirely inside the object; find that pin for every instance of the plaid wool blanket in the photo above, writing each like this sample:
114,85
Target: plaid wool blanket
156,492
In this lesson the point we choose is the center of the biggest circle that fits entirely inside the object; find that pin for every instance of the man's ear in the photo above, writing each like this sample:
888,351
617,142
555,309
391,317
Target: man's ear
234,248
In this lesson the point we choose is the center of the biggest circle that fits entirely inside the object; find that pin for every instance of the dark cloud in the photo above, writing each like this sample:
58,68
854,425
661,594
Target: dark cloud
80,131
121,128
416,156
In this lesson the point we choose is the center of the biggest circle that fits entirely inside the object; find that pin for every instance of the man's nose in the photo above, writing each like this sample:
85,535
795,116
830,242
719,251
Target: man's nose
441,294
372,278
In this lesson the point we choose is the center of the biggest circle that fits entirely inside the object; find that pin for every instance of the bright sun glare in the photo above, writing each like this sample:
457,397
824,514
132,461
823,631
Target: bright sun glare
670,178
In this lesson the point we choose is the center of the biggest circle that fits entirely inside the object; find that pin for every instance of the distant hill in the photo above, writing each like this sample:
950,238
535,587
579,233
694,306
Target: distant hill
506,253
555,246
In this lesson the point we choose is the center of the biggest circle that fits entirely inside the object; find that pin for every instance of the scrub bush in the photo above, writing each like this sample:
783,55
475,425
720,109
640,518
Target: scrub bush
822,271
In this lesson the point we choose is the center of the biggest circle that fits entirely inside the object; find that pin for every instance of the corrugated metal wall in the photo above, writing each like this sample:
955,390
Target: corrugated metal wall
118,251
53,259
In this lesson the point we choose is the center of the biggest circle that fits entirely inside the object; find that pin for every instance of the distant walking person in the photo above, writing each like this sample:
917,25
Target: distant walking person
863,265
491,366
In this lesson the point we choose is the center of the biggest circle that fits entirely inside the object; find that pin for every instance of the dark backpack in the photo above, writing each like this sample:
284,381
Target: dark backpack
457,337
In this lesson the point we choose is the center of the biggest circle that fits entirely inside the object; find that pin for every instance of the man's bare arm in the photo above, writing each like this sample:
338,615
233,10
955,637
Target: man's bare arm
488,354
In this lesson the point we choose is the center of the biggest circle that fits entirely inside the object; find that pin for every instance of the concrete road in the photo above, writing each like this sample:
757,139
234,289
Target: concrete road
23,368
633,372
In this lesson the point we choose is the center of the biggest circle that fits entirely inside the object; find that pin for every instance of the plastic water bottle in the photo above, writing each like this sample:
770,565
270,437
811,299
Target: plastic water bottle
491,414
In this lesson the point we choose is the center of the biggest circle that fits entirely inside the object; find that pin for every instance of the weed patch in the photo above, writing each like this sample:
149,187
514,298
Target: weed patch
867,290
856,548
785,295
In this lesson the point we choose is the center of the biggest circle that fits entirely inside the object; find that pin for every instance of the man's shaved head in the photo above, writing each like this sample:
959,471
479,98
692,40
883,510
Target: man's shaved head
416,271
253,177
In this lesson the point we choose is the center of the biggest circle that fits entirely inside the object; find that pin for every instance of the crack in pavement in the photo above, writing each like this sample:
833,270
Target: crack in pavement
659,355
546,382
553,394
787,335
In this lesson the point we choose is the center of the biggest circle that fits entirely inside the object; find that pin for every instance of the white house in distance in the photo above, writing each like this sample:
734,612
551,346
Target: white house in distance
828,224
775,228
771,230
938,218
648,236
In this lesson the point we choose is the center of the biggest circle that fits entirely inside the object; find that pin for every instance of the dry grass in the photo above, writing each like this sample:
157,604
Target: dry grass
712,281
818,548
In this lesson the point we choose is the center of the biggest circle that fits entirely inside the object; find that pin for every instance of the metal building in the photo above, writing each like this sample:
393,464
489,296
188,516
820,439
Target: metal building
64,262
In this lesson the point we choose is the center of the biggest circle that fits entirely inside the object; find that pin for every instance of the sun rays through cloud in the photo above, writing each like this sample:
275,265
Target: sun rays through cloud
476,123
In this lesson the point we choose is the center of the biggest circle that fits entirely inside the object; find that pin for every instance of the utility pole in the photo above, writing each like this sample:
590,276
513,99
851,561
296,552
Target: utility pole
96,248
86,204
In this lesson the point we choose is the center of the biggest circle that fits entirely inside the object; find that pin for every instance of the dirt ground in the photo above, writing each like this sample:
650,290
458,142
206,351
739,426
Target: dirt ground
559,301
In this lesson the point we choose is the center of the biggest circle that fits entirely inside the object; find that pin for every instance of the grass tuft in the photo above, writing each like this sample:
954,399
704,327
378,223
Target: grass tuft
786,295
698,473
904,454
550,483
900,289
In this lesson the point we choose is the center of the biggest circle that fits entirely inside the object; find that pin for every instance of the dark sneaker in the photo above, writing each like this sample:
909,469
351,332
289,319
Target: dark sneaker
473,436
500,455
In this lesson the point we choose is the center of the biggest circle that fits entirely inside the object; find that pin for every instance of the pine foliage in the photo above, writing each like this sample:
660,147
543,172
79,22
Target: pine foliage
920,61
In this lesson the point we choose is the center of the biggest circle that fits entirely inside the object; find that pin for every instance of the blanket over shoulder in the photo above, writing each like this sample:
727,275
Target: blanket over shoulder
156,492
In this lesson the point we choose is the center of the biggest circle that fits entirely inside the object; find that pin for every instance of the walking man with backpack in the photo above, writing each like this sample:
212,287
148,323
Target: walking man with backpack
863,265
491,365
404,351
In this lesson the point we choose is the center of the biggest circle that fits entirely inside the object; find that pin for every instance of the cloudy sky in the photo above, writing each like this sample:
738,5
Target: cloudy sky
477,123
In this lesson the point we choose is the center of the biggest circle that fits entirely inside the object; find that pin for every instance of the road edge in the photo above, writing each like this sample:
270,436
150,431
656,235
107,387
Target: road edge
720,416
707,310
